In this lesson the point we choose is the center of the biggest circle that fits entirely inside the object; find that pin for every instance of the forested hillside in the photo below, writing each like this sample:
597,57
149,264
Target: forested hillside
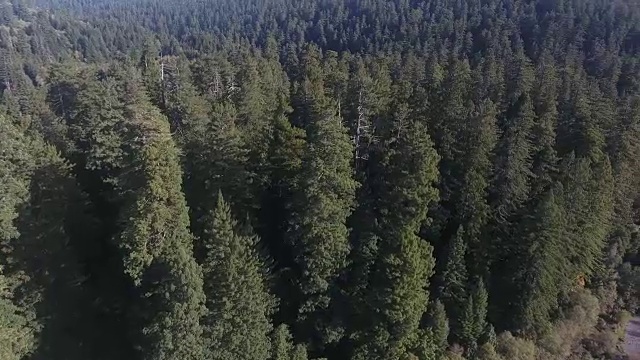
318,179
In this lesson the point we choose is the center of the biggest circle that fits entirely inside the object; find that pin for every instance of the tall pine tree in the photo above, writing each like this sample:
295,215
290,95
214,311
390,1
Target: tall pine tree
397,295
239,306
157,244
324,200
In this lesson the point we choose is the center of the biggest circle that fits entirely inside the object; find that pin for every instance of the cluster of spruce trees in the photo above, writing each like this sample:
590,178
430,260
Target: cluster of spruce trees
292,180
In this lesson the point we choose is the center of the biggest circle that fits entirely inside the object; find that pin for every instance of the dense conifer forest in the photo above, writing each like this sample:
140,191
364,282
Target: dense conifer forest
318,179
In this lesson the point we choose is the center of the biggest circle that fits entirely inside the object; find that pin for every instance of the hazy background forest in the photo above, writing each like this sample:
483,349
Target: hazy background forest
318,179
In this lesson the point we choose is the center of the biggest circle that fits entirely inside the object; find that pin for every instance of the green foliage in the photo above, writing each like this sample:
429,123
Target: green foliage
281,346
220,165
405,262
324,200
511,347
474,318
299,353
544,268
16,334
237,323
437,331
453,292
158,246
473,208
46,253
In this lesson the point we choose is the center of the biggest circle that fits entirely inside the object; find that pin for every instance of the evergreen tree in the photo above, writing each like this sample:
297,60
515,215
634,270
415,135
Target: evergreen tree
438,327
324,200
47,258
587,200
255,107
281,343
532,106
309,99
512,178
40,266
157,245
286,147
283,348
453,111
453,292
220,165
152,69
186,109
474,318
239,306
404,265
544,139
473,209
16,334
509,195
299,353
96,123
543,268
93,136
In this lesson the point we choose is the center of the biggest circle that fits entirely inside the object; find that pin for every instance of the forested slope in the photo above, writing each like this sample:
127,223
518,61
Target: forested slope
318,179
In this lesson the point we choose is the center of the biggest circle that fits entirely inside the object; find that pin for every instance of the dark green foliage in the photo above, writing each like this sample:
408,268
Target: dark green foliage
239,306
544,270
398,288
453,293
42,274
474,210
438,330
474,317
16,335
324,201
283,348
450,118
43,249
158,247
220,165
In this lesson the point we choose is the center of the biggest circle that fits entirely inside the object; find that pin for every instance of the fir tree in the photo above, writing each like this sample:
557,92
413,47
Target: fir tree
309,99
283,348
47,257
158,247
281,343
450,117
473,209
438,329
299,353
152,69
220,165
324,200
545,158
512,175
16,334
404,264
474,317
587,201
237,323
453,292
543,267
40,266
